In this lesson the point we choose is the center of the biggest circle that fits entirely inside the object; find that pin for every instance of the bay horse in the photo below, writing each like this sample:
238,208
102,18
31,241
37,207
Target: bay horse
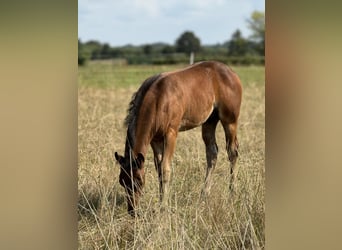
201,94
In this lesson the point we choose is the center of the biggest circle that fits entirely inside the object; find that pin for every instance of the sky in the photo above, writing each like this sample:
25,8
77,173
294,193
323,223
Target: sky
138,22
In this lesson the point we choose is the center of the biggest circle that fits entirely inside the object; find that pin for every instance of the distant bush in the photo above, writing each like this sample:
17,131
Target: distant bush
175,58
158,59
83,54
246,60
182,58
160,53
81,61
233,60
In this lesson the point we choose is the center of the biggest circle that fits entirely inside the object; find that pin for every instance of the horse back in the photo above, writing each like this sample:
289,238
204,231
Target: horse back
208,77
186,98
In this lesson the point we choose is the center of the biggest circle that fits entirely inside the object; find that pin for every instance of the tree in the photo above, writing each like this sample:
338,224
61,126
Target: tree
168,49
116,52
188,43
105,51
257,24
82,55
147,49
93,47
238,46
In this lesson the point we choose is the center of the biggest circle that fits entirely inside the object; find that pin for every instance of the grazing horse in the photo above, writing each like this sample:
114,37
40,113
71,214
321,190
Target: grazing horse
199,95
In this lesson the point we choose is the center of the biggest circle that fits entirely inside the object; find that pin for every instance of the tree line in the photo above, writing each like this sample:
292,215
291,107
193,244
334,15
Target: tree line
237,50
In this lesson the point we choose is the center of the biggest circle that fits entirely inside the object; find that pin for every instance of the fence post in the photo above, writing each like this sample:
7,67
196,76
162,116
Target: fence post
192,57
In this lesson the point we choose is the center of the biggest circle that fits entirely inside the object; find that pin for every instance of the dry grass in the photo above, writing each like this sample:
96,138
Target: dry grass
223,221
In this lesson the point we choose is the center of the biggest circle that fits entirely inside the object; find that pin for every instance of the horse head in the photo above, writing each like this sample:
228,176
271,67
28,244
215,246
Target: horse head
132,178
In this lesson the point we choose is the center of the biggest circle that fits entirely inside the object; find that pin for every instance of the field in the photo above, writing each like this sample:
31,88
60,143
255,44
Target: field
223,221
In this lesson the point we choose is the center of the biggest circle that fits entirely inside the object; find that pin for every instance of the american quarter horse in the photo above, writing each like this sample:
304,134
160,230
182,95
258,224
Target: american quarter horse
201,94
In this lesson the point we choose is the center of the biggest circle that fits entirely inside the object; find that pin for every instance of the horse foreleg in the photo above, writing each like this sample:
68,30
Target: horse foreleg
165,170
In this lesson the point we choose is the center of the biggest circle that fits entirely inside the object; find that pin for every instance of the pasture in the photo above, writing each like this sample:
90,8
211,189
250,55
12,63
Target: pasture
223,221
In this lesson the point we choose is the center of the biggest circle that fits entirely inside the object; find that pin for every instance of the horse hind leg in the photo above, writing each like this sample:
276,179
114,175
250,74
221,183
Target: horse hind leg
232,147
158,151
211,149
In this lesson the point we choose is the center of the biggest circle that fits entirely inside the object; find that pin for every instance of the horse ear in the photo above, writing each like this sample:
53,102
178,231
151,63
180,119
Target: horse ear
140,160
119,158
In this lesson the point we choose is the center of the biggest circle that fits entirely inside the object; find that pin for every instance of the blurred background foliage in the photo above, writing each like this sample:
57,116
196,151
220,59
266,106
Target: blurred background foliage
237,50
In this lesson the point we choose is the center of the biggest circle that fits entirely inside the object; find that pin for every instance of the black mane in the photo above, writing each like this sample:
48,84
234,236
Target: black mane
134,107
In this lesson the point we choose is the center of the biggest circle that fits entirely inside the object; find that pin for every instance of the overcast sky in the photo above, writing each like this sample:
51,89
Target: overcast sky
137,22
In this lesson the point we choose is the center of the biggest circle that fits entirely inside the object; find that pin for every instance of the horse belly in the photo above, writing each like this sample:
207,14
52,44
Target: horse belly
195,117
